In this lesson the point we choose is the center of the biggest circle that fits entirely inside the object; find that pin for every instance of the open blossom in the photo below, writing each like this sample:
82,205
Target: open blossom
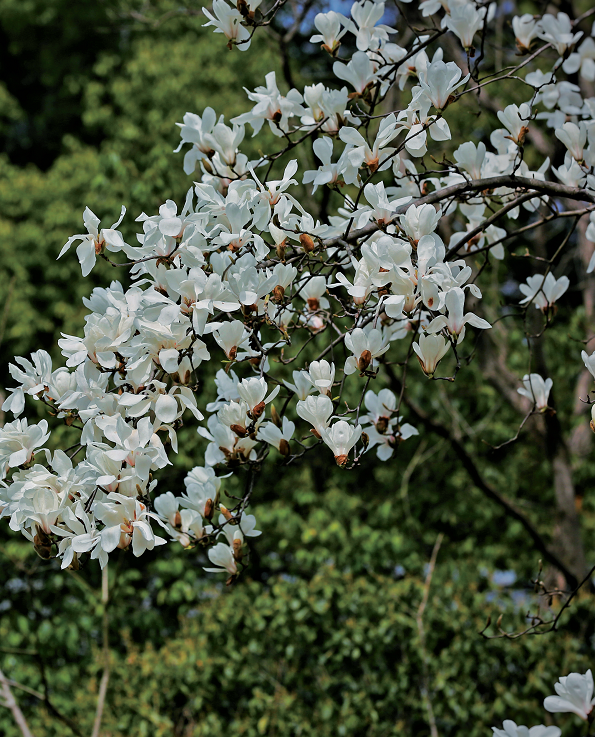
94,241
558,31
574,137
317,411
332,27
18,442
365,346
253,392
526,30
510,729
515,119
278,437
536,389
464,21
543,291
227,20
359,72
575,694
440,80
340,438
456,320
222,555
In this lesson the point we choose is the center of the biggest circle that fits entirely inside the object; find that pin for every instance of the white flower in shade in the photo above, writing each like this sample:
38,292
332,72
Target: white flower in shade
322,374
302,385
227,20
440,80
329,24
279,437
536,390
510,729
430,350
471,157
583,60
386,442
574,137
575,694
526,29
253,392
557,30
317,411
366,346
380,408
515,120
589,361
340,438
81,536
222,555
464,21
18,441
368,35
455,322
543,292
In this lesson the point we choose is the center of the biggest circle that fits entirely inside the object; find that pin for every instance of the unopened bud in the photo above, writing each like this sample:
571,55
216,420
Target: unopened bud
275,416
281,248
365,438
239,430
284,448
209,509
307,243
278,294
258,410
364,360
225,512
237,550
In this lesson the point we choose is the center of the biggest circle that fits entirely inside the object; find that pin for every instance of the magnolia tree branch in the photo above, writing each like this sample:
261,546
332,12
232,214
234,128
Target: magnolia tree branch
11,704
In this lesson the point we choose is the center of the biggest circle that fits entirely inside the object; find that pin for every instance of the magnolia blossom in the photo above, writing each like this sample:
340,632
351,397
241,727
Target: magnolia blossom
526,29
227,20
510,729
430,350
331,31
321,375
543,292
317,411
575,694
464,21
340,438
439,82
536,389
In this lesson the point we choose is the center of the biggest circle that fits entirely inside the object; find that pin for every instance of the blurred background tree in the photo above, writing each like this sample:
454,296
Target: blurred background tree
327,632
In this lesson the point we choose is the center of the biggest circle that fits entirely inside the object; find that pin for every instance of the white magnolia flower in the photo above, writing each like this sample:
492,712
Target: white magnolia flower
430,350
574,137
18,442
575,694
455,322
543,292
279,437
359,72
366,346
317,411
510,729
253,392
440,80
515,120
227,20
536,390
331,31
222,555
302,385
589,361
558,31
526,29
464,21
94,241
340,438
321,375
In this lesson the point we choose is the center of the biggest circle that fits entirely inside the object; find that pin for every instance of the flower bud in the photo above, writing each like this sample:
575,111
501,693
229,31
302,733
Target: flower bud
257,410
225,512
284,448
239,430
275,416
307,243
237,550
209,509
364,360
